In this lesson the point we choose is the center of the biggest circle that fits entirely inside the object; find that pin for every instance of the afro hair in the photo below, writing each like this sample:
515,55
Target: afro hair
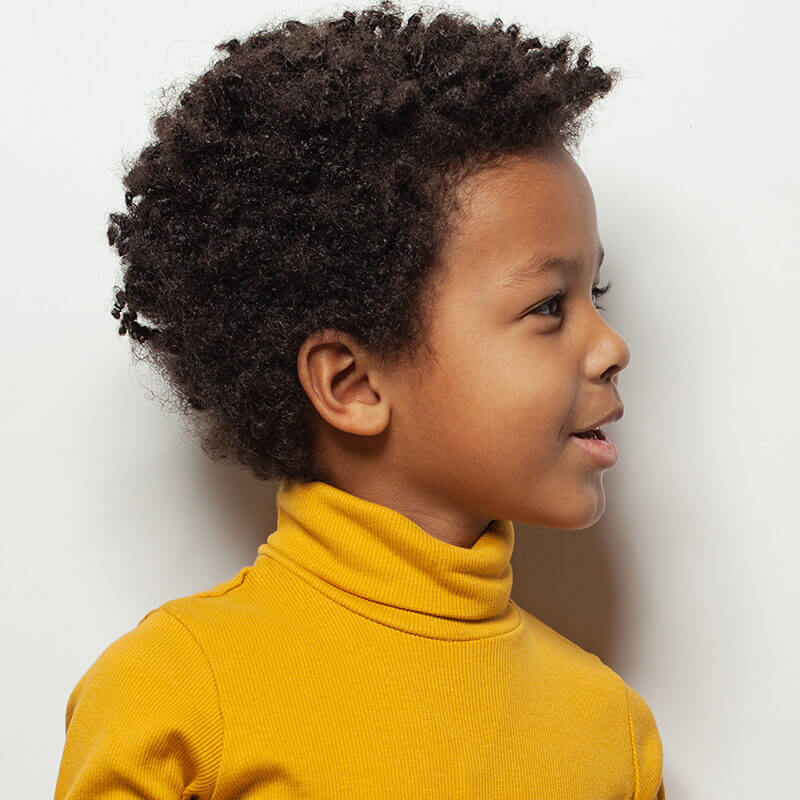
305,181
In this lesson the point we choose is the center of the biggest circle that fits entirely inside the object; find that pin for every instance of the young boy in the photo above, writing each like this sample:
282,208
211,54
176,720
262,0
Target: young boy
369,265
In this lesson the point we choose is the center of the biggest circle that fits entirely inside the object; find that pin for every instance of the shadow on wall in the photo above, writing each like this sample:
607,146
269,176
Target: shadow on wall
246,504
571,581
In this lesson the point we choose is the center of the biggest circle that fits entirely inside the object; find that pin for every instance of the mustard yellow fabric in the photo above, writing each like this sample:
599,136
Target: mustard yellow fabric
357,657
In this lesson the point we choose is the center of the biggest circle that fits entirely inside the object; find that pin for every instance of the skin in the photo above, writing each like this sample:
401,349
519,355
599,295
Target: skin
481,429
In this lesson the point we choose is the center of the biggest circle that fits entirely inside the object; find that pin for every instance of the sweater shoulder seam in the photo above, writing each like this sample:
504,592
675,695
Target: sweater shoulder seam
222,589
632,736
191,633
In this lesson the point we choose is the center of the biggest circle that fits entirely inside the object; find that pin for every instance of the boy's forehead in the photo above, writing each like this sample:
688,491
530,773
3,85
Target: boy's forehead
530,205
549,185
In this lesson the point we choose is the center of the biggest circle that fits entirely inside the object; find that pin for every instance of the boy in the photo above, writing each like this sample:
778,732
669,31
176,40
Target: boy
369,265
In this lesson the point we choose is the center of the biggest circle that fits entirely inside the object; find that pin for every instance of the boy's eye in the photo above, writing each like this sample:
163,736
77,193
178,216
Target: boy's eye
597,291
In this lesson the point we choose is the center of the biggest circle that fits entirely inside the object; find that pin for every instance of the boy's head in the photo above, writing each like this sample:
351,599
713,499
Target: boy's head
323,252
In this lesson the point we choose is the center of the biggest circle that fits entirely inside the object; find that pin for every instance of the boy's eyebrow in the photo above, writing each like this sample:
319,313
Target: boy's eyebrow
543,263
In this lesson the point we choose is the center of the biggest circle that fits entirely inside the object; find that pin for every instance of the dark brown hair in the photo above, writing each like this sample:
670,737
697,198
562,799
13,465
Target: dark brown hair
304,182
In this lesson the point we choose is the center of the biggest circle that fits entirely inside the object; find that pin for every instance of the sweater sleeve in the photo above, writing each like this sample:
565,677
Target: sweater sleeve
144,720
646,748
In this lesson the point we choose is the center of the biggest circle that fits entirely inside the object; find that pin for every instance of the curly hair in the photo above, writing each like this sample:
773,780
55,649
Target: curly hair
305,181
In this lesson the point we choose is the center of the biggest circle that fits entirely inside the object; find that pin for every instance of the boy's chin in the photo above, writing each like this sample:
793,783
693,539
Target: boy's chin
579,508
589,508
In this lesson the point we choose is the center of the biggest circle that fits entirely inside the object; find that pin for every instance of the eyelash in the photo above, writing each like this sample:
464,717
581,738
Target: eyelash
597,291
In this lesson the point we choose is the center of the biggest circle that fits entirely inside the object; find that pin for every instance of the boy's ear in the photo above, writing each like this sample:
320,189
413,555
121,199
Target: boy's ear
343,383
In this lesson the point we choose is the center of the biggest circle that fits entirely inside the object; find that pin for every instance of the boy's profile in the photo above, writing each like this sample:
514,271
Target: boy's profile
363,256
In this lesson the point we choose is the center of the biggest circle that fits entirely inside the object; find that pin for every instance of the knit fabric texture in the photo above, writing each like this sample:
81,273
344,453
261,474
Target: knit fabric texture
357,657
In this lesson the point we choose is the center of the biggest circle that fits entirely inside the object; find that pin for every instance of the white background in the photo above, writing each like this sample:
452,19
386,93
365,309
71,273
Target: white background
688,585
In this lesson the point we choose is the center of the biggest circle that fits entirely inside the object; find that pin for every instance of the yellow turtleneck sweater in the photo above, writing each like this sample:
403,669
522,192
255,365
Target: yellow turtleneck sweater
357,657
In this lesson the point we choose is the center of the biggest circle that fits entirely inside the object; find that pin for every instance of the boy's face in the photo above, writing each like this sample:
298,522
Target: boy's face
487,424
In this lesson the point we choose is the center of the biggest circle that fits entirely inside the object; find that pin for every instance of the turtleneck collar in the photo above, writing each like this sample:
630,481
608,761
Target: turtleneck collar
380,564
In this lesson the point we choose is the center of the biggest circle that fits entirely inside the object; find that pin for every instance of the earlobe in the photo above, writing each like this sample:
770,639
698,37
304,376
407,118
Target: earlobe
340,381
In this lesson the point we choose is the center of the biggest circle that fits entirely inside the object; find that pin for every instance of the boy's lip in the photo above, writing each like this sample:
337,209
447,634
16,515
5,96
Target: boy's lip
602,452
615,414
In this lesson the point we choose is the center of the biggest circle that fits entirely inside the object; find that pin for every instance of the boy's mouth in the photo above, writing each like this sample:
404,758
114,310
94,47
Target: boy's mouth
598,446
595,433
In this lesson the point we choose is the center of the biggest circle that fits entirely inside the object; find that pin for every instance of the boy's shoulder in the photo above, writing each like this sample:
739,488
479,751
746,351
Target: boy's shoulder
250,600
577,667
220,603
581,673
552,645
146,652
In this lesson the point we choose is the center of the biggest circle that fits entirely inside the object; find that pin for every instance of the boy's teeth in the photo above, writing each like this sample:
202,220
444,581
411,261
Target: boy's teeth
592,434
